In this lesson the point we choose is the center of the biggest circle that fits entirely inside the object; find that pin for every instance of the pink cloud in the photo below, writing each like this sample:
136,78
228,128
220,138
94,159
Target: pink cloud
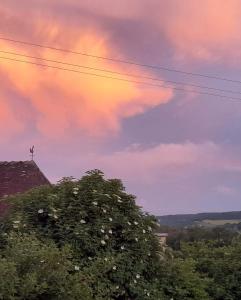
64,100
165,161
197,30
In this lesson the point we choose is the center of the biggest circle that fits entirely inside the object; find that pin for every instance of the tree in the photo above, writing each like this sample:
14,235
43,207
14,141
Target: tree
110,239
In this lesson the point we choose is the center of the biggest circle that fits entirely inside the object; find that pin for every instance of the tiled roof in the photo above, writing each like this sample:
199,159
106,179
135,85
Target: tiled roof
20,176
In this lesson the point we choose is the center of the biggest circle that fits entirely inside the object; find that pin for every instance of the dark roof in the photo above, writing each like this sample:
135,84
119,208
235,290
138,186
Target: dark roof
162,234
19,177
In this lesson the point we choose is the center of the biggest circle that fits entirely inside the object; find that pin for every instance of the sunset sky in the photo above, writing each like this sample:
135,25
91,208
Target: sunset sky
179,152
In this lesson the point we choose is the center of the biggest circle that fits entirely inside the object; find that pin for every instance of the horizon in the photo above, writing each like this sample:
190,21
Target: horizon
176,146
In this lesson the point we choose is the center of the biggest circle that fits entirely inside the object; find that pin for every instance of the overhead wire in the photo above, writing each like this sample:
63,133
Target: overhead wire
121,73
122,79
121,61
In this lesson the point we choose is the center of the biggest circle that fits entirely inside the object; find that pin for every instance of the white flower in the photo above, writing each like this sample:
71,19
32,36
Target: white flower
94,191
105,259
138,276
104,211
114,268
82,221
102,230
40,211
117,287
75,190
110,231
107,195
129,223
144,231
136,239
149,228
103,242
76,268
106,237
110,219
89,258
135,281
122,247
15,226
55,217
16,222
145,240
42,261
136,223
95,203
148,294
119,201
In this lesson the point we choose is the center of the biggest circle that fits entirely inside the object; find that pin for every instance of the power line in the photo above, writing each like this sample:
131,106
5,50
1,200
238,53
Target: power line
124,80
122,61
122,74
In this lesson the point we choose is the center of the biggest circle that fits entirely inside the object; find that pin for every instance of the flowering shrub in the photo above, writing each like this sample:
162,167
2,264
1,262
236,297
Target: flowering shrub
110,242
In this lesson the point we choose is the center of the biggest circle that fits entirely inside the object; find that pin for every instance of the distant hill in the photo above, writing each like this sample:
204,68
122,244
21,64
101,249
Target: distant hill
201,219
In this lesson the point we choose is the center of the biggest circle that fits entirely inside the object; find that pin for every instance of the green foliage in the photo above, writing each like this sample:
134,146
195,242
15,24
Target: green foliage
31,269
221,264
182,282
91,223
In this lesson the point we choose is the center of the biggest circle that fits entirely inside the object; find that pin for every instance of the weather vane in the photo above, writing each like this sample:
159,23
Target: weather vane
32,152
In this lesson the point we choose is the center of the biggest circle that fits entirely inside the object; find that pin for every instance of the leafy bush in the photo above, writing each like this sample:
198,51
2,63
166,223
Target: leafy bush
90,224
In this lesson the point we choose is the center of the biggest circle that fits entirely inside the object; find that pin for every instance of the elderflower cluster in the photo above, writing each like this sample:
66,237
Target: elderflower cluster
75,190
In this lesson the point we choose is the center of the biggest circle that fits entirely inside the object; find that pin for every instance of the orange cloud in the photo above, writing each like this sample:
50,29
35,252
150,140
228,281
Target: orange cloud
65,101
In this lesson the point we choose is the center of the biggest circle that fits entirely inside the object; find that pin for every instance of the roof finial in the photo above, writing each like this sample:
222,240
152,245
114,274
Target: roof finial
32,152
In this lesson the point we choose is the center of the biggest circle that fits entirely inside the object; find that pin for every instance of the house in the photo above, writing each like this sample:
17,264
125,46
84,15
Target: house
162,237
19,177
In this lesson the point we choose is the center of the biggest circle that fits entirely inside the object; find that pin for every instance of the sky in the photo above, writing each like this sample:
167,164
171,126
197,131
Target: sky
177,151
